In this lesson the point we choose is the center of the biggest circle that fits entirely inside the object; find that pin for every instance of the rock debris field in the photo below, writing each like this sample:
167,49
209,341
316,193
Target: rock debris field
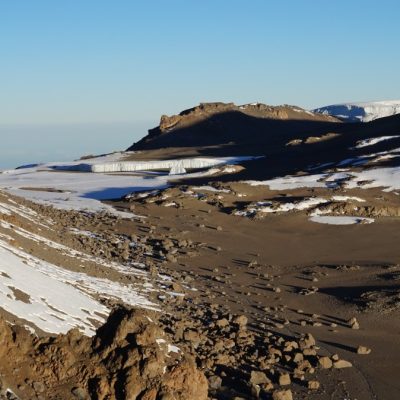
210,271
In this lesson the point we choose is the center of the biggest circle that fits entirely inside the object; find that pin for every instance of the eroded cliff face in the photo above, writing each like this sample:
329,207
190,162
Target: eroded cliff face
258,110
216,117
128,358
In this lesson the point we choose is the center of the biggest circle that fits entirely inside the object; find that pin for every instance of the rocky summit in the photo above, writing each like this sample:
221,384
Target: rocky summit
214,123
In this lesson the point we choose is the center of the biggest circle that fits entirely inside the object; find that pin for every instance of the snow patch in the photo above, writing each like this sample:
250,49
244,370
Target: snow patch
388,178
340,220
210,189
303,181
345,198
48,287
372,141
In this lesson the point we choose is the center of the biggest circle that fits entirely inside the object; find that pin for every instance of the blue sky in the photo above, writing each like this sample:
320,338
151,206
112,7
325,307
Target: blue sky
68,67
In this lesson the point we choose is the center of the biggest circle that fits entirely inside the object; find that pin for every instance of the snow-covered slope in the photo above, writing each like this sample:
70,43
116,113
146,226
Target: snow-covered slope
361,112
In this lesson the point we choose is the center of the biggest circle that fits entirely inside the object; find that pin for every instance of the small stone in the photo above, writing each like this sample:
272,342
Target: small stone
363,350
241,320
258,378
310,352
38,387
298,375
267,386
12,396
176,287
325,362
284,379
304,366
298,357
255,391
222,323
214,382
354,323
282,395
313,385
192,336
79,393
342,364
307,342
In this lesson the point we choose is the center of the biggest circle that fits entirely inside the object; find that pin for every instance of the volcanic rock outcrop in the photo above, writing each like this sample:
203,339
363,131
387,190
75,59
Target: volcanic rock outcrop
128,358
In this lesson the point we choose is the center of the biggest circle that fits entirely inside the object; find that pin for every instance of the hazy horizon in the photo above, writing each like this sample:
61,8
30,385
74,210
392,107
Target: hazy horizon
38,143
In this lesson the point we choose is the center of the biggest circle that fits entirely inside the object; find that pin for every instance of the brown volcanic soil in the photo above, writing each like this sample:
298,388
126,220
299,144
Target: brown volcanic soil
265,269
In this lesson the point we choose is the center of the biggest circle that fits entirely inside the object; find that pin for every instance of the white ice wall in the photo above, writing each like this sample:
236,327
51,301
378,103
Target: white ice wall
174,166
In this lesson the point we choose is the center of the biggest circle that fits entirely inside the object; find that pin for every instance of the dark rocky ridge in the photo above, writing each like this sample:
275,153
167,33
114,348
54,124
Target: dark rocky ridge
221,123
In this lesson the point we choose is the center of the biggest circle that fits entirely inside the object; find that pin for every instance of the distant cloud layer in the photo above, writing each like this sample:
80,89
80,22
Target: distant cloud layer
24,144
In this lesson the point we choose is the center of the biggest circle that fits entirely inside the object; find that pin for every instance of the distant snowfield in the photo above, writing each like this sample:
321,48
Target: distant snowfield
361,112
366,158
386,178
62,185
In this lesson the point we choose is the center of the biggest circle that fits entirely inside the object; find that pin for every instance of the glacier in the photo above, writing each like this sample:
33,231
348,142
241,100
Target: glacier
361,112
175,166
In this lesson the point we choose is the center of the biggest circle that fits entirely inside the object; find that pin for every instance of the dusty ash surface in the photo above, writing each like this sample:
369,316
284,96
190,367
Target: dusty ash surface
245,303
